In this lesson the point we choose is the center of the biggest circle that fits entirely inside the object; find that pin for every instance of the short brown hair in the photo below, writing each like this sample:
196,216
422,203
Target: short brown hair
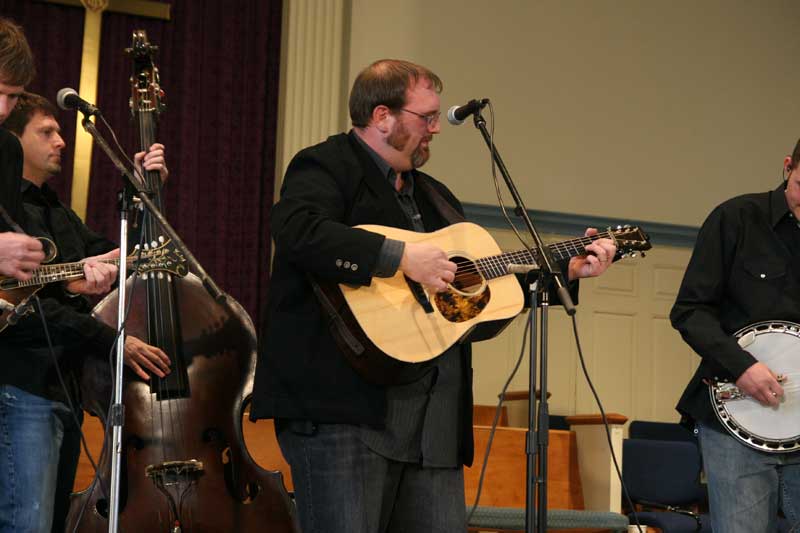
16,58
28,105
385,83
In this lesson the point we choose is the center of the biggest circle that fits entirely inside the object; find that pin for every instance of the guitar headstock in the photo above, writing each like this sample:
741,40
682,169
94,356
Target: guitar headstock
630,241
163,257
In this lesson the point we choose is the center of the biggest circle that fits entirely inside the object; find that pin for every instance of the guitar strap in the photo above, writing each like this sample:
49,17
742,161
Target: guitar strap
10,221
339,328
448,212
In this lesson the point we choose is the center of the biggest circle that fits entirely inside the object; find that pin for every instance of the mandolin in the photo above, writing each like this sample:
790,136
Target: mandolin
15,294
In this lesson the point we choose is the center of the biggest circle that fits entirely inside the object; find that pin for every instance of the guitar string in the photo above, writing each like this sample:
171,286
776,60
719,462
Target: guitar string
498,266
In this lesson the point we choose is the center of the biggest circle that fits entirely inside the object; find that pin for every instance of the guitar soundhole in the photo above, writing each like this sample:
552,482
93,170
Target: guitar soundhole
467,279
470,296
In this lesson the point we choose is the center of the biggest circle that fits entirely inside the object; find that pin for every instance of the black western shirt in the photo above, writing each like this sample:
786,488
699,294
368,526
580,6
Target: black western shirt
745,268
27,361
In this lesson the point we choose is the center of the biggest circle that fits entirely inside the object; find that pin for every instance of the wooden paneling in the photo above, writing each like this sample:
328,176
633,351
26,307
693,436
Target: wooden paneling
504,481
638,363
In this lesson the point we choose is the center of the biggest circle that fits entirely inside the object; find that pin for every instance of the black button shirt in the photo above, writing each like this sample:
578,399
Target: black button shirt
10,178
27,362
745,268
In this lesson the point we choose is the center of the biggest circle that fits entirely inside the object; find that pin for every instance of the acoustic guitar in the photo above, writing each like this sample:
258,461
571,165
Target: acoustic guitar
396,318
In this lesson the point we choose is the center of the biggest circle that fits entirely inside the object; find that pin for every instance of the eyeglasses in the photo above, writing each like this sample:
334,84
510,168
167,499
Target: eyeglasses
432,118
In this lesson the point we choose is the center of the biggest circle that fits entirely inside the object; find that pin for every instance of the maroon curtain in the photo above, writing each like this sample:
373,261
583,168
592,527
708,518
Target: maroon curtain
58,63
219,65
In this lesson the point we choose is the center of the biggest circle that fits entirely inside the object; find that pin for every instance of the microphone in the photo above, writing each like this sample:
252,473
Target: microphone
68,98
457,114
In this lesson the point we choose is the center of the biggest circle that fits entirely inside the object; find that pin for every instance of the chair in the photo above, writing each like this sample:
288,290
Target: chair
644,429
503,496
663,480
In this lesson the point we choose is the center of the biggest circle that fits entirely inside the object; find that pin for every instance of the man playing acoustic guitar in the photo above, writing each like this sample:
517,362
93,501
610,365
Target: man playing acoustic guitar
367,458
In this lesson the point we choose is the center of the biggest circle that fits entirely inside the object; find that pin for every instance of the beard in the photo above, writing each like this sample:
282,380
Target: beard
398,139
54,168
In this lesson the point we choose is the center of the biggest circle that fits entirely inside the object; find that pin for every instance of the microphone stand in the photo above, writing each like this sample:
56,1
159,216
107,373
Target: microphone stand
117,413
538,296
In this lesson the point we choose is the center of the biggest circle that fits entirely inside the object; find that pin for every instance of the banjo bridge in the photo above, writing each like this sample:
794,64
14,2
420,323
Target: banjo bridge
727,392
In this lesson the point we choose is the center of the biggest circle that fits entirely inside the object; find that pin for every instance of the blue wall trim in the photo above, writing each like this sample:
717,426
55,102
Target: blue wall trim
490,216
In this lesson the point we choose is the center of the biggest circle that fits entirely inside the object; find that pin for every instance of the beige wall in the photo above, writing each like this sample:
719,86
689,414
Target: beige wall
641,109
628,109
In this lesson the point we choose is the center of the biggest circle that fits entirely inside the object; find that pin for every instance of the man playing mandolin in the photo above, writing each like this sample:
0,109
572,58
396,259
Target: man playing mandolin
745,269
367,458
41,443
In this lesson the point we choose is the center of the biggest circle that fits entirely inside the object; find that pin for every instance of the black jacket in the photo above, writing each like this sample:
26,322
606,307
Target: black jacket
10,178
301,374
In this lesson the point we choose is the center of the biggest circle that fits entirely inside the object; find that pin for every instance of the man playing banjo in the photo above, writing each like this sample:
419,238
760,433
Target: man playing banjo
741,290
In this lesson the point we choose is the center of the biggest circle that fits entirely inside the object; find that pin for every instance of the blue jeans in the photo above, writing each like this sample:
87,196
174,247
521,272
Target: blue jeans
341,485
31,430
746,487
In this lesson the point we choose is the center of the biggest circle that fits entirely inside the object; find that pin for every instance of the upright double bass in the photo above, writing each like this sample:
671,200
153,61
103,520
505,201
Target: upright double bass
184,465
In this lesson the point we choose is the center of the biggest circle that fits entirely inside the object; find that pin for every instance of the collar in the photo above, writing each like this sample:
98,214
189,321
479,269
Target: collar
386,170
778,207
45,192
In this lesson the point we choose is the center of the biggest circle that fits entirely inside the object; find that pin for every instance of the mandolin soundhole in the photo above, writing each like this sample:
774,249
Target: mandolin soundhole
468,296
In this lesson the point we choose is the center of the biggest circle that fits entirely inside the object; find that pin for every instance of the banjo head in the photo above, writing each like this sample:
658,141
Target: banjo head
769,429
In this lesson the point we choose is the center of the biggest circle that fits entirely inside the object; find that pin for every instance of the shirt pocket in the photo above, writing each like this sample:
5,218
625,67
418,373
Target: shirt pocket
765,269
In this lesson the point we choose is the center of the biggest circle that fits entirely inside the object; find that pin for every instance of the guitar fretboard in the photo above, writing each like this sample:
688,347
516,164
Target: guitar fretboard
52,273
494,266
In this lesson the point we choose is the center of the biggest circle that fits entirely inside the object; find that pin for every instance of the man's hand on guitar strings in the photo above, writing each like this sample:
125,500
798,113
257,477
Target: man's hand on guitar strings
427,264
599,256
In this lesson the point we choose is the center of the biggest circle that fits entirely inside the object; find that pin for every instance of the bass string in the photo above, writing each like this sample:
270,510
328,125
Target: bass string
166,318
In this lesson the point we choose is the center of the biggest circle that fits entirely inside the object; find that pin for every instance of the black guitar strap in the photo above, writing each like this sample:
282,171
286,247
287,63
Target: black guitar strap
448,212
10,221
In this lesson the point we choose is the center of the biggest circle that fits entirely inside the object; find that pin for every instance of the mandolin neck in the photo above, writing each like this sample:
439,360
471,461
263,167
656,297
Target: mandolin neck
53,273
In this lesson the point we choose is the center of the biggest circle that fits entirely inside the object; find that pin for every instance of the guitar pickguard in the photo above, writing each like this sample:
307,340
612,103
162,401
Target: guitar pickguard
457,307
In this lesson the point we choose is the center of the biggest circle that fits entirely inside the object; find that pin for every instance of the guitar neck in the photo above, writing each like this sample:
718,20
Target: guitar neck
496,266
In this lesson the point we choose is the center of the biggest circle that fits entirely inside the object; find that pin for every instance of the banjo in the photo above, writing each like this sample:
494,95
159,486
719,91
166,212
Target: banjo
768,429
